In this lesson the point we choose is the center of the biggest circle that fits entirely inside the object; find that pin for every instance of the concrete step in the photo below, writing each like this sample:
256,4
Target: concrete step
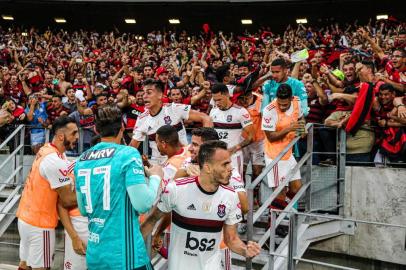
8,267
6,192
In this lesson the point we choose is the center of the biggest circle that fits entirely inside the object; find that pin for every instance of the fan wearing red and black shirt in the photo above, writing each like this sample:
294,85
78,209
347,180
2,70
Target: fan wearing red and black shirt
133,110
101,100
55,109
177,96
16,111
201,97
395,68
14,90
162,75
317,101
390,134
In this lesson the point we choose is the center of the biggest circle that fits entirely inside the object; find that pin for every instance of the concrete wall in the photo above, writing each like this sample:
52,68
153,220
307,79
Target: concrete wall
379,195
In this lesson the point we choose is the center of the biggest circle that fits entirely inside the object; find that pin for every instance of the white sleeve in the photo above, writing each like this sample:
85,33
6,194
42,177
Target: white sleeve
169,172
269,119
236,182
235,214
245,118
168,198
181,110
55,170
138,134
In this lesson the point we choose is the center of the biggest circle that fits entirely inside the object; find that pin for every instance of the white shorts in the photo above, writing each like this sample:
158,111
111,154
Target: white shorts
72,260
225,258
278,173
37,245
254,152
237,160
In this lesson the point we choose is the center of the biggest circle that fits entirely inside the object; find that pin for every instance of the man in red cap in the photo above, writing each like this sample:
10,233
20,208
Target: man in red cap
162,74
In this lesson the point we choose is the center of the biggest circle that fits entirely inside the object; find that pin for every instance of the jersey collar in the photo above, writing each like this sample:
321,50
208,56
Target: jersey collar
202,190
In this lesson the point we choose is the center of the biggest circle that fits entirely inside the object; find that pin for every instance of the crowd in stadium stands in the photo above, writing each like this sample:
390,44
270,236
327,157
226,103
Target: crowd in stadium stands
48,74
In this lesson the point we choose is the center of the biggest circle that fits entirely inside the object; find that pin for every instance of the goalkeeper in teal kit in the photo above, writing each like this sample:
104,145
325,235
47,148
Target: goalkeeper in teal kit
112,192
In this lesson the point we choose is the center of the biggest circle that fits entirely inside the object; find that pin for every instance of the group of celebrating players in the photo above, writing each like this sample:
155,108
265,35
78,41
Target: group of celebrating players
194,193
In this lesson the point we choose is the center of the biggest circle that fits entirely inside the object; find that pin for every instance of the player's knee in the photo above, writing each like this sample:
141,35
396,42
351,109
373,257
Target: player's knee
295,185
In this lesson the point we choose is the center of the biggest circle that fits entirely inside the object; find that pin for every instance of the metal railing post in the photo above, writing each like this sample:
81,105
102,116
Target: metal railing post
21,156
309,163
272,241
81,141
148,241
15,162
47,135
145,147
341,170
292,248
250,217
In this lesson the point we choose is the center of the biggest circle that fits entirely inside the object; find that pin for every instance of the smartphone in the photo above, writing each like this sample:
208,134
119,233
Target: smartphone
79,60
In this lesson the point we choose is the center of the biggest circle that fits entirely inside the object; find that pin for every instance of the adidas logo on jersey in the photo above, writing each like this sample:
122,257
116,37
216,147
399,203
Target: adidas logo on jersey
191,207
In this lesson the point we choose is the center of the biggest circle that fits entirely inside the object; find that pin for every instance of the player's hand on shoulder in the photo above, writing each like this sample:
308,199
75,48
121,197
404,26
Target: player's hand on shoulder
154,170
253,249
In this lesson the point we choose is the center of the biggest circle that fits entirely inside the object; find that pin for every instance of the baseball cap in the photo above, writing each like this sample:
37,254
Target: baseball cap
80,95
161,70
339,74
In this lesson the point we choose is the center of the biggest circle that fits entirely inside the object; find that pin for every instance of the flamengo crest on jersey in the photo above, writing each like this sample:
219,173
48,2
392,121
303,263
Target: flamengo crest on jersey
230,123
197,222
170,114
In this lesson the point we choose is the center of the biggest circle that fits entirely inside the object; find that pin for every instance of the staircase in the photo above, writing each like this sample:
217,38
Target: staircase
281,252
304,228
11,181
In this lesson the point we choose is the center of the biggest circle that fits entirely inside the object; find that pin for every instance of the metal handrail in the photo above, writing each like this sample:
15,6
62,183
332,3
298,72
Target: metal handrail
9,198
292,243
266,170
7,182
280,187
330,217
14,153
250,188
278,221
11,136
252,218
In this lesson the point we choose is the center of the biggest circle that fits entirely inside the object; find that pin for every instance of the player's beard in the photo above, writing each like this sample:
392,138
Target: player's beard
69,146
225,179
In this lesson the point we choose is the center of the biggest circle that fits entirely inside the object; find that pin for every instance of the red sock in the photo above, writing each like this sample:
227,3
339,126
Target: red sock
290,194
279,204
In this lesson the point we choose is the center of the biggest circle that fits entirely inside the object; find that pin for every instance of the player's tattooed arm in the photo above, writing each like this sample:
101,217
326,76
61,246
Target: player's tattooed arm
165,222
233,242
149,223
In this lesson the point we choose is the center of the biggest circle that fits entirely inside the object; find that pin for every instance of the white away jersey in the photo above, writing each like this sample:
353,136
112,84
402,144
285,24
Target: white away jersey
270,116
56,168
229,123
170,114
197,222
